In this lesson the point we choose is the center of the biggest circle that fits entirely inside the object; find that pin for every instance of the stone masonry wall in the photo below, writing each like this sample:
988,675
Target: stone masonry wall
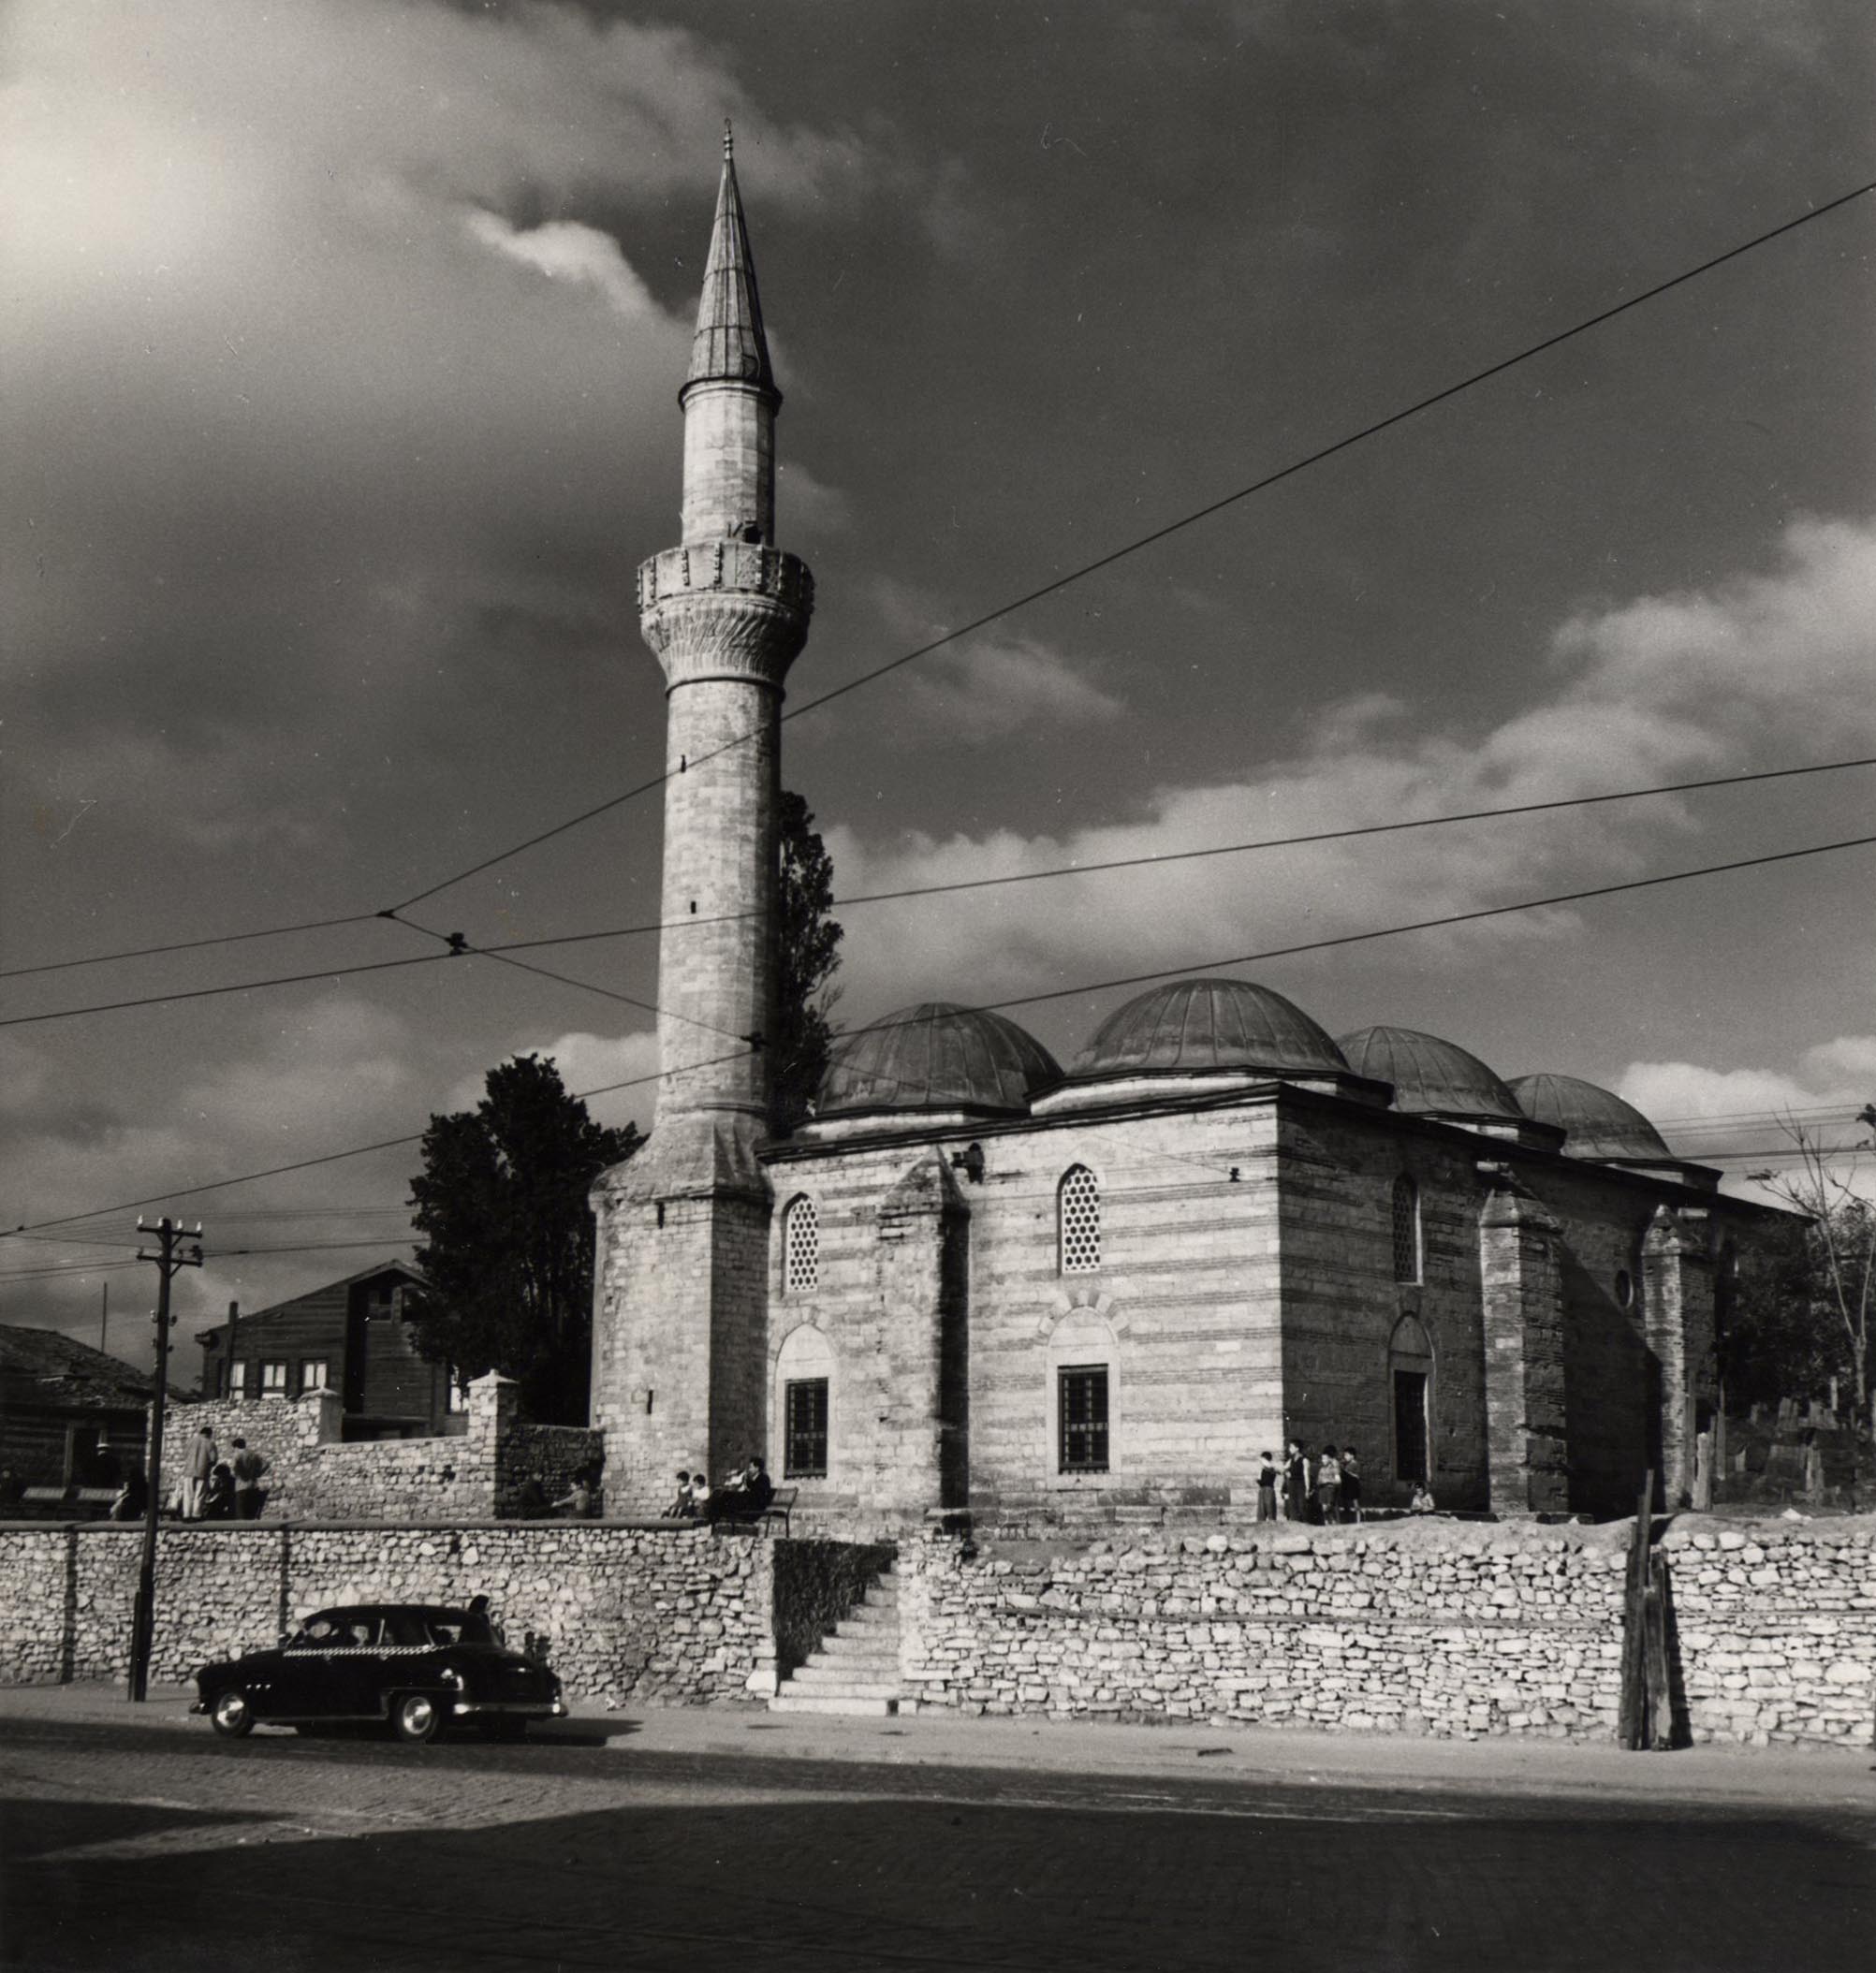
312,1475
1442,1630
675,1615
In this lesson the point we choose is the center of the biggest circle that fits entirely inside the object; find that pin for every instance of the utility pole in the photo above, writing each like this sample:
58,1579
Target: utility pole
172,1254
104,1318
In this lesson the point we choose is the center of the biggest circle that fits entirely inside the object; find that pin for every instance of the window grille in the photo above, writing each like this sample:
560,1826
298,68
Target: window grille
1079,1222
1406,1230
802,1249
273,1380
805,1450
1083,1403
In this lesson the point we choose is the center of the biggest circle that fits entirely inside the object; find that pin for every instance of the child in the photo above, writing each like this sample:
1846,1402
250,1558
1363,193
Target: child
1351,1485
1423,1498
682,1507
1266,1488
1328,1486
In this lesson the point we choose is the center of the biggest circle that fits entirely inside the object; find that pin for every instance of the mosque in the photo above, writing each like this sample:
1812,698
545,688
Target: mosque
976,1284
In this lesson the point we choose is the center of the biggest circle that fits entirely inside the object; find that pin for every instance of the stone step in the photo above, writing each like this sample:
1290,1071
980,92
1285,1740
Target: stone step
859,1644
865,1671
785,1701
851,1685
867,1623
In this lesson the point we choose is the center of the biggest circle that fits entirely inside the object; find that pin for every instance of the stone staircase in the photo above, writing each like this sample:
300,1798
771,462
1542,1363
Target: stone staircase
856,1667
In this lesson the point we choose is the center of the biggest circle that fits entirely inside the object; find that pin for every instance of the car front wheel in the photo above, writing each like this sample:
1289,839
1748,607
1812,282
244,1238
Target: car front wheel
416,1717
232,1714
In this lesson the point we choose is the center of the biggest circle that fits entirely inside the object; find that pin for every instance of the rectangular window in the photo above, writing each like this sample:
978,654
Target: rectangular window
313,1374
1083,1402
273,1380
459,1398
236,1388
806,1451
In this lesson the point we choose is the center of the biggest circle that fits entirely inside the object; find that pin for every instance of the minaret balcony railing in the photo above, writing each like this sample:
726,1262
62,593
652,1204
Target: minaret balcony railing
738,568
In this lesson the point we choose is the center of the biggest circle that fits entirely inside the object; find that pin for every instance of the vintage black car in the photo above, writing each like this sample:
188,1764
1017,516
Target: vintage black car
420,1668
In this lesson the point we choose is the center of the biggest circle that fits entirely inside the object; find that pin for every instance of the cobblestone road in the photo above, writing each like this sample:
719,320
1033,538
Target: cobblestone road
157,1846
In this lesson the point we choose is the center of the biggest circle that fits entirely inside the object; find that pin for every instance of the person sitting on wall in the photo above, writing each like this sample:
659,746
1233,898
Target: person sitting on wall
531,1501
218,1495
701,1495
1422,1502
682,1507
577,1503
758,1489
127,1503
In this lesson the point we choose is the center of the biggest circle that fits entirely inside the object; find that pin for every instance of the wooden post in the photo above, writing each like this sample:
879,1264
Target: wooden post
1632,1725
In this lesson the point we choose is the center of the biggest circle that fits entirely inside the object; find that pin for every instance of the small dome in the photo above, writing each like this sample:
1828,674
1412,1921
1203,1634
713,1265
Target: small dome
936,1057
1432,1077
1600,1124
1198,1027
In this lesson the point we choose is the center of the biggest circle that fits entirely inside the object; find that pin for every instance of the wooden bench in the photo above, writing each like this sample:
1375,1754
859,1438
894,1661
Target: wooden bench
732,1512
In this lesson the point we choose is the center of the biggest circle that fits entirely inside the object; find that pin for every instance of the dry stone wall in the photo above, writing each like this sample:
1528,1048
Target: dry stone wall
668,1614
1455,1630
313,1475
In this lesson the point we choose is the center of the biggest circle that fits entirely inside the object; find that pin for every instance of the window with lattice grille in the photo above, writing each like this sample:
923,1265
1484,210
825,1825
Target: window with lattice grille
1406,1230
802,1249
1078,1217
1082,1398
805,1438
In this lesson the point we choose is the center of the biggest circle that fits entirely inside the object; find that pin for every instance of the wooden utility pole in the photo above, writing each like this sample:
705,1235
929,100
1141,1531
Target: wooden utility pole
172,1254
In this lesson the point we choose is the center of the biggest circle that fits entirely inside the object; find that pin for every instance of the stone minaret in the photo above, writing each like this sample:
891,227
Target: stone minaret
679,1368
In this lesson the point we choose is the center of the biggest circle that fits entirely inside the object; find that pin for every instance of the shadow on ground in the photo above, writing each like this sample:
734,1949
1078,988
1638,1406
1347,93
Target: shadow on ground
969,1872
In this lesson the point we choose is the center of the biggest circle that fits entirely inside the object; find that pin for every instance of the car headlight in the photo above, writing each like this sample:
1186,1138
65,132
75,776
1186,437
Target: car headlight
451,1676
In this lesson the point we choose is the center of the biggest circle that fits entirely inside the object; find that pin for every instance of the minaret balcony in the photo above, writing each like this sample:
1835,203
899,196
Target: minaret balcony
726,609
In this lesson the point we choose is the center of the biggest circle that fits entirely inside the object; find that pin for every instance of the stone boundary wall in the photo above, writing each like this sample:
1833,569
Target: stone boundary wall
670,1614
313,1475
1442,1630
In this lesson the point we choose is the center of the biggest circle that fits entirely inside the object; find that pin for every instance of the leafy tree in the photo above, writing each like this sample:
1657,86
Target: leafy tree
808,944
501,1203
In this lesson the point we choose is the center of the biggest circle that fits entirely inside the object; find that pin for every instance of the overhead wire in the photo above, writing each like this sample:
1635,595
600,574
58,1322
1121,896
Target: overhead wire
1138,543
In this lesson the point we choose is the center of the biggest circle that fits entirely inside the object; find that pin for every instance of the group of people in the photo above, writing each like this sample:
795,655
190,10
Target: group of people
218,1489
1324,1494
743,1494
581,1501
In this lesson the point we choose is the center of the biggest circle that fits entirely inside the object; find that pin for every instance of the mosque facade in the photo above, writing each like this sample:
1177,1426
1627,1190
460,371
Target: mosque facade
976,1284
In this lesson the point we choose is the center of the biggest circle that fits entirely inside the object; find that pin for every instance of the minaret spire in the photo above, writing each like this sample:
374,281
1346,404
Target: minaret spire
729,345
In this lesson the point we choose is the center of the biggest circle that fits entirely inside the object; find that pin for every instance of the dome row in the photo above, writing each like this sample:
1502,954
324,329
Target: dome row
938,1057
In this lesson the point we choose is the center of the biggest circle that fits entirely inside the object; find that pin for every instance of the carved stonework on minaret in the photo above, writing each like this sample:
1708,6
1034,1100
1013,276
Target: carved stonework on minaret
684,1226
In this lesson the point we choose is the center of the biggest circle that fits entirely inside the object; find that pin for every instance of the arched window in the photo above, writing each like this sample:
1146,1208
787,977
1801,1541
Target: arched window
1410,1377
1079,1222
801,1247
1406,1230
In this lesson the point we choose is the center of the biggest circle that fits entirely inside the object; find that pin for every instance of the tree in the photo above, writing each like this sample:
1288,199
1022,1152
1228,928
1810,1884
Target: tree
1820,1296
501,1203
808,949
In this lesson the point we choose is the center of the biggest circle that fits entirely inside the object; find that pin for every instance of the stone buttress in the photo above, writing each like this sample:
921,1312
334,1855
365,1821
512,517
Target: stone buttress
680,1285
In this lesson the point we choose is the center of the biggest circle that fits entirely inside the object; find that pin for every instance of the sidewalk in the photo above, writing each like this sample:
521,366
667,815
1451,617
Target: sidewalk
1782,1778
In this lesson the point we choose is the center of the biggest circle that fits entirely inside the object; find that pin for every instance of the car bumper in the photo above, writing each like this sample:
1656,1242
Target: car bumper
508,1708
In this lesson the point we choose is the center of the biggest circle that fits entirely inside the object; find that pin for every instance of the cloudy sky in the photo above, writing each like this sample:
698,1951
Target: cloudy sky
340,343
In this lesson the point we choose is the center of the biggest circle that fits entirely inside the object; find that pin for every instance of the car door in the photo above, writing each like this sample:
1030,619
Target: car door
359,1670
301,1685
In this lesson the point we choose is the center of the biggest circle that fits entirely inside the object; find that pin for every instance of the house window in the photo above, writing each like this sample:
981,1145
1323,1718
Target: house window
458,1399
236,1388
805,1446
273,1380
314,1374
1079,1222
800,1249
1625,1289
1406,1230
1083,1401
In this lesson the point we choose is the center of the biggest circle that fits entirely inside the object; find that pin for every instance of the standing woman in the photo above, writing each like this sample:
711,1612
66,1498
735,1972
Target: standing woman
1351,1483
1296,1483
1328,1487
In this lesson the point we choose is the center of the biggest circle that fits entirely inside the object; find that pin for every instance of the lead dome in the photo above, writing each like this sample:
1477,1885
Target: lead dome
1431,1076
1199,1027
936,1057
1598,1122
